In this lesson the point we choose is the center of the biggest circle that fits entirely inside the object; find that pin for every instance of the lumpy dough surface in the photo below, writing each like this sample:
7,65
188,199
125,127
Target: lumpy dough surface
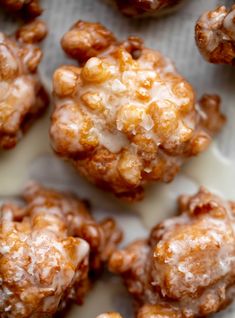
22,95
50,250
186,268
109,315
215,35
29,8
126,117
143,8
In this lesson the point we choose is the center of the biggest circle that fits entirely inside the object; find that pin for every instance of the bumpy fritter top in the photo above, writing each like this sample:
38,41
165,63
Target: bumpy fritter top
110,315
126,117
87,39
215,35
29,8
186,268
142,8
22,96
49,249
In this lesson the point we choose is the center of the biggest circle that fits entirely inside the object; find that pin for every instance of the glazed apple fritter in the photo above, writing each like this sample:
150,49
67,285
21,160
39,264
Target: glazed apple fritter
126,117
145,8
28,8
50,251
23,98
186,268
215,35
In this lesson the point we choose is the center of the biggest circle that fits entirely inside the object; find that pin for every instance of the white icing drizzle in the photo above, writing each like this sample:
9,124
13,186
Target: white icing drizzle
229,23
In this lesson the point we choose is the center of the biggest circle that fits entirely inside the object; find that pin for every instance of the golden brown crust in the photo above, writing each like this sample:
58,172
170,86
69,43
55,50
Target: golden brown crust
144,8
102,236
110,315
159,311
215,35
186,269
28,8
127,117
50,249
85,40
23,97
33,32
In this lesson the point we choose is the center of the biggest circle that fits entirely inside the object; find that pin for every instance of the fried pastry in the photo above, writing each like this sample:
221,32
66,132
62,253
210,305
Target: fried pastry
145,8
109,315
23,98
186,268
215,35
29,8
126,117
50,250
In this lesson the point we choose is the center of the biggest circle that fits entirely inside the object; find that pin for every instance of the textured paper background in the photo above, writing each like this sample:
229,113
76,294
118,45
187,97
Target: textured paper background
173,35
